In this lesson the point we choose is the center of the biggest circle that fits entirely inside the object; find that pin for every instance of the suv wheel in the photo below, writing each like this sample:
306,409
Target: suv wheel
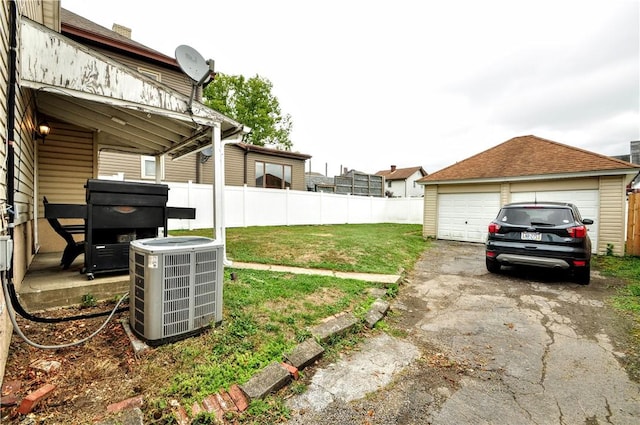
583,275
493,266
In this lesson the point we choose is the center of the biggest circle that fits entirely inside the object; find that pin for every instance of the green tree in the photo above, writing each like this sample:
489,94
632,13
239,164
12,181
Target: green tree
250,102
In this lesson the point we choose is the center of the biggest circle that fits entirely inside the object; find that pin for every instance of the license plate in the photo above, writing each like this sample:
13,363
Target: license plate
531,236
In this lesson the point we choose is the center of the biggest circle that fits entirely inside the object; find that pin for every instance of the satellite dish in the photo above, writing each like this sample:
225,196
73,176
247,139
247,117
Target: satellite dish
193,64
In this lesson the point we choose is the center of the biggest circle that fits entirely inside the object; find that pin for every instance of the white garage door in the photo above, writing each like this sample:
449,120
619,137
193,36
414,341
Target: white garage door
466,216
587,201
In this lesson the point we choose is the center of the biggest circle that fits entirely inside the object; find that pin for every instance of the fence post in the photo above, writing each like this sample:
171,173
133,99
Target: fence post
633,225
244,205
286,206
322,200
189,197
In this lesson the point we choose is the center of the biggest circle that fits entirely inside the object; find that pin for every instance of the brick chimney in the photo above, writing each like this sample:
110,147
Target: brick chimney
122,30
393,168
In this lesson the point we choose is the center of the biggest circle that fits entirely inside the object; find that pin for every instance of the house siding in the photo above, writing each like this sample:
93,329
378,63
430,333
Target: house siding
234,166
181,170
112,163
65,162
130,165
612,214
23,235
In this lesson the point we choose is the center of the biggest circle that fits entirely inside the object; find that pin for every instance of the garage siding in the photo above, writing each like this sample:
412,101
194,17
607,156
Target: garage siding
612,212
549,185
429,227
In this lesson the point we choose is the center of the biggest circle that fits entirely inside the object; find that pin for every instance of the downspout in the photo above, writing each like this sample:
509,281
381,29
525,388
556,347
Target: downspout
246,171
11,117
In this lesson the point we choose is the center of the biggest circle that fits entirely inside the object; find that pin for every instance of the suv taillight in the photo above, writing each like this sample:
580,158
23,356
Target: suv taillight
577,232
493,228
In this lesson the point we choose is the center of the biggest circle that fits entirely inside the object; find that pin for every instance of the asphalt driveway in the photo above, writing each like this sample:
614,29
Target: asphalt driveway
468,347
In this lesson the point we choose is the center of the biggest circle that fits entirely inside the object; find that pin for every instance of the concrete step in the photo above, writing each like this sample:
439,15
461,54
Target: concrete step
47,286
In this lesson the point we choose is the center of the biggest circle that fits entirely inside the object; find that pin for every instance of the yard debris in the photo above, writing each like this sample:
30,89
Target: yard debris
47,366
33,399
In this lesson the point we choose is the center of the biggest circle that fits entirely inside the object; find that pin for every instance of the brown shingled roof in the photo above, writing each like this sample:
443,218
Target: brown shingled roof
528,156
400,173
78,26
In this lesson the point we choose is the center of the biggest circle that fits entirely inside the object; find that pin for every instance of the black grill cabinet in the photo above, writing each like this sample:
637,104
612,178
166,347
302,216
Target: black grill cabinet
117,213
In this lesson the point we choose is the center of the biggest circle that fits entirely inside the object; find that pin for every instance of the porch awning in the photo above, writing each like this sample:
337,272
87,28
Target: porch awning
132,112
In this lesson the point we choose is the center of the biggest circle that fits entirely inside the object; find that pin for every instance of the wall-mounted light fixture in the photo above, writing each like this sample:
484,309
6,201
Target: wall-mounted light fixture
43,130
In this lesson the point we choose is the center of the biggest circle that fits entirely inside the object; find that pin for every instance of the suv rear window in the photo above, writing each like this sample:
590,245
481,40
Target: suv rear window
535,216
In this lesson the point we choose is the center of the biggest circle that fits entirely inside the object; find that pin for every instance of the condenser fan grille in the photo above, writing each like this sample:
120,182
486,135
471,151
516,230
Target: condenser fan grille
175,293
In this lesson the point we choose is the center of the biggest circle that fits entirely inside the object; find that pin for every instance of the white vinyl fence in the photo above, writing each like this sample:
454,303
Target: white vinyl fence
249,206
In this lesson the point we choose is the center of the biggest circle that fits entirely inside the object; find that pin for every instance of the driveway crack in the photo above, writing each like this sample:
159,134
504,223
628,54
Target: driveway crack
609,413
545,355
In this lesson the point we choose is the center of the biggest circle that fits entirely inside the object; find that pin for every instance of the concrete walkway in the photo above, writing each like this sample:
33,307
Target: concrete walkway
369,277
46,285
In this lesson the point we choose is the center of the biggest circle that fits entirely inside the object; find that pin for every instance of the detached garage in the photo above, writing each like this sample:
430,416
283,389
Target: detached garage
460,200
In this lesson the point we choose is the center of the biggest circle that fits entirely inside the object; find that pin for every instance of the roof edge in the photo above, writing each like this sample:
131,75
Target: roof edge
600,173
67,29
277,152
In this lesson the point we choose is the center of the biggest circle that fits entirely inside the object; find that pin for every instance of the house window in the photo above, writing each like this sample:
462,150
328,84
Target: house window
276,176
388,183
149,73
148,167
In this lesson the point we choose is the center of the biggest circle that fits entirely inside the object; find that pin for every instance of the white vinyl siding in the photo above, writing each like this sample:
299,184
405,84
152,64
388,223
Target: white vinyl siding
613,212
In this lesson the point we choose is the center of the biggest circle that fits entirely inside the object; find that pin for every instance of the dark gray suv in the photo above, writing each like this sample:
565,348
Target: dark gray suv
540,234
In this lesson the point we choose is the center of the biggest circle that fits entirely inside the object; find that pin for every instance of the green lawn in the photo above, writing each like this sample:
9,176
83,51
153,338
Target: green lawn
627,268
367,248
266,314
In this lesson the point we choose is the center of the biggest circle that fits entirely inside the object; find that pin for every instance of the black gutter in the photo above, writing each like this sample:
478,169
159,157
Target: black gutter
11,126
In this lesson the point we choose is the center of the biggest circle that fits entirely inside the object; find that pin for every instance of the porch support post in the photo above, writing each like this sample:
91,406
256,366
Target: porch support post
158,164
218,186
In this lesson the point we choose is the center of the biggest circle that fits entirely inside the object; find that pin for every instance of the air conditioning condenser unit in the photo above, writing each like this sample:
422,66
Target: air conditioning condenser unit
175,287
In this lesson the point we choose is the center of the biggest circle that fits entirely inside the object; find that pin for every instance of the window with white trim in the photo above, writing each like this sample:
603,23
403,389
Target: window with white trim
148,167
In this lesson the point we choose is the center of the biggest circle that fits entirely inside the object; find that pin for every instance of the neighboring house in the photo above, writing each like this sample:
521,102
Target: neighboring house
89,101
460,200
402,182
283,169
118,45
244,164
257,166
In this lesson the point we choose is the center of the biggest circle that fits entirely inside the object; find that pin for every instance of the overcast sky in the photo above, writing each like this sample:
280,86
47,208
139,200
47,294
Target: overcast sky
373,83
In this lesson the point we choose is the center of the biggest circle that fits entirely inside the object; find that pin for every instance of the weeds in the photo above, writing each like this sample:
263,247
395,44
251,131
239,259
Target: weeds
88,300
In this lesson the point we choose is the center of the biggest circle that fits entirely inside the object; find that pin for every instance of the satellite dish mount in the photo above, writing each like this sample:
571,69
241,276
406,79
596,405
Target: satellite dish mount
193,64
